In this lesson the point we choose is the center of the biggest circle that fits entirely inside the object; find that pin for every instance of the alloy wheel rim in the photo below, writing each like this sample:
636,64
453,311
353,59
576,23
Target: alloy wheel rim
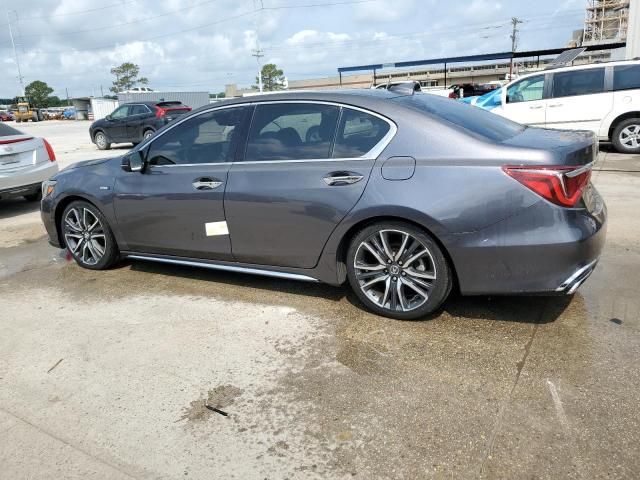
630,136
148,135
85,236
395,270
100,140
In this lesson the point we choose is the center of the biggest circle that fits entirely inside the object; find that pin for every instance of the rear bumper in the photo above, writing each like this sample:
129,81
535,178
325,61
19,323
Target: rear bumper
544,250
21,191
29,176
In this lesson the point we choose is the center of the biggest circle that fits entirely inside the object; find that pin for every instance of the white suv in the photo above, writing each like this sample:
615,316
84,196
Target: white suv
603,98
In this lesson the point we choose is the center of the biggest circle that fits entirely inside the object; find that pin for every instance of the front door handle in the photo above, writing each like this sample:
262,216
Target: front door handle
538,107
206,183
342,178
555,105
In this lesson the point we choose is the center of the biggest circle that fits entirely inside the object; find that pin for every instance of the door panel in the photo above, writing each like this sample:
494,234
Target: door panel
282,213
117,124
524,102
579,100
138,116
176,206
165,210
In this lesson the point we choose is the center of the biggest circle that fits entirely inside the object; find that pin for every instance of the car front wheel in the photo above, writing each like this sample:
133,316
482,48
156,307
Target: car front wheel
626,136
88,237
398,271
101,141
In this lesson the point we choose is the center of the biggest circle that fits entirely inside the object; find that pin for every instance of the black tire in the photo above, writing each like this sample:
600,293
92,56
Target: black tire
18,120
102,235
147,133
398,280
101,141
34,197
621,138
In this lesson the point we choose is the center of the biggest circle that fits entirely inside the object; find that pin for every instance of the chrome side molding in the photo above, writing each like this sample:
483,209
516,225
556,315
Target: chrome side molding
226,268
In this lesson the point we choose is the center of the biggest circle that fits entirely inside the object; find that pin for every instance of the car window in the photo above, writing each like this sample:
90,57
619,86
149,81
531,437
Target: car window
6,130
121,112
358,133
578,82
207,138
472,119
138,110
626,77
526,90
291,131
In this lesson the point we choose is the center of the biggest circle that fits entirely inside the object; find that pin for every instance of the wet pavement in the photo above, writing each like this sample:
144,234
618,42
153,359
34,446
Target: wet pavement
156,371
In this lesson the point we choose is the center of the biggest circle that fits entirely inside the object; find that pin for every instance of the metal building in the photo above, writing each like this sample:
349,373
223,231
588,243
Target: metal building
191,99
606,21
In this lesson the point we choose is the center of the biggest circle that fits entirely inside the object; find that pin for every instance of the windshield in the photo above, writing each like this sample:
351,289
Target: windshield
490,99
476,120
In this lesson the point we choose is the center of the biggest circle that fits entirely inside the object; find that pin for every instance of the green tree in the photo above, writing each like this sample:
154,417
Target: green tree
127,77
54,101
272,78
38,93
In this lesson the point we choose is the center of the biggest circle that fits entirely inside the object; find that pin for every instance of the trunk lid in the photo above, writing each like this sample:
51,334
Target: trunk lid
561,147
17,152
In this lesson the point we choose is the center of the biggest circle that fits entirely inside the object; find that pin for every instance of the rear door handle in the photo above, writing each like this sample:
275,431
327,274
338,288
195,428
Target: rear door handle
536,108
206,183
555,105
342,178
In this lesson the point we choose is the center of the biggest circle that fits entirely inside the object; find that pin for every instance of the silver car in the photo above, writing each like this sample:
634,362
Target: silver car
25,162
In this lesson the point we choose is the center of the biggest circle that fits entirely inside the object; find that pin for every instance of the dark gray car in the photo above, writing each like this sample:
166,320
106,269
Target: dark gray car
403,194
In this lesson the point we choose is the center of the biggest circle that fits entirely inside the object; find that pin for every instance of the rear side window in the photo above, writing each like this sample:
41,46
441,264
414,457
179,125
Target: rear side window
358,133
626,77
578,82
138,110
208,138
291,131
6,131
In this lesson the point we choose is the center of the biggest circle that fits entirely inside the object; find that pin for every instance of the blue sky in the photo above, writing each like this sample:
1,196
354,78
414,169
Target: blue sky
204,44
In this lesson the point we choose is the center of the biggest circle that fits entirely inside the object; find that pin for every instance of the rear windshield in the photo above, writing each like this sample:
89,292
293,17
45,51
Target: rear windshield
6,130
171,104
473,119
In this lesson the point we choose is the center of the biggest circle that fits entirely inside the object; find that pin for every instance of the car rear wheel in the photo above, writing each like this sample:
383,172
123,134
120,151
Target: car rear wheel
626,136
101,141
398,271
147,134
88,237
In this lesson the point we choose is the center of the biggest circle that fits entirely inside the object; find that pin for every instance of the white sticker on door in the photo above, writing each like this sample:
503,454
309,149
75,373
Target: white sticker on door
216,228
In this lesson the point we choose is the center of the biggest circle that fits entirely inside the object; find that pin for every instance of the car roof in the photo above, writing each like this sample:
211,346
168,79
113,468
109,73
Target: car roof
614,63
354,96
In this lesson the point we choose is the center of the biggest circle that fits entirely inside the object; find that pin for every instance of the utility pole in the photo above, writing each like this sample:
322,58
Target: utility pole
68,102
259,53
514,43
15,54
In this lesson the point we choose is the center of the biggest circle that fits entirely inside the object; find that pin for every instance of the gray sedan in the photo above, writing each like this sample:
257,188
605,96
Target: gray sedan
403,195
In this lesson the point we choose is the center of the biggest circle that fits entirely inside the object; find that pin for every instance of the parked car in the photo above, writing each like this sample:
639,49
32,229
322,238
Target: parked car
400,193
134,122
25,162
5,117
603,98
487,101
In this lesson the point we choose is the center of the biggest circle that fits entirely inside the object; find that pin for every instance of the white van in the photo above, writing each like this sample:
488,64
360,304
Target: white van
603,98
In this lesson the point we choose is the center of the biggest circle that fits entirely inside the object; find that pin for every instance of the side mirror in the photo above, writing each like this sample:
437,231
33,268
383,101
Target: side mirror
133,162
507,99
108,118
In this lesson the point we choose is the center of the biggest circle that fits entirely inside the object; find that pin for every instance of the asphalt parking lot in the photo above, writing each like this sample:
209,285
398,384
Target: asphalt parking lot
155,371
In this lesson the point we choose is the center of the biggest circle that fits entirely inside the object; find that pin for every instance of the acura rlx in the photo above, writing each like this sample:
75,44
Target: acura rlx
403,195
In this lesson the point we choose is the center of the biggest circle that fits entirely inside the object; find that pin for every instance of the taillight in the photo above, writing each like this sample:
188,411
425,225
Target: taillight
559,184
49,149
160,112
